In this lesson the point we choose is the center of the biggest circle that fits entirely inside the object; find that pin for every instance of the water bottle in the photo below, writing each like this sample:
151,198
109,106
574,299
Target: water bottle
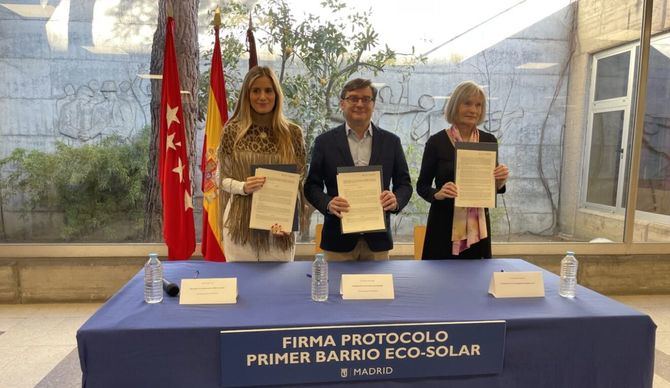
568,276
319,279
153,280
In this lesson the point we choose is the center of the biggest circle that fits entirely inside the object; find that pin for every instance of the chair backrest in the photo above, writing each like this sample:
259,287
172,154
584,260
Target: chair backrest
419,235
317,238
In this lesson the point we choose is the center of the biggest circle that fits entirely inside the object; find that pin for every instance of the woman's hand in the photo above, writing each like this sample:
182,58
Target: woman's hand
277,231
500,173
448,190
253,184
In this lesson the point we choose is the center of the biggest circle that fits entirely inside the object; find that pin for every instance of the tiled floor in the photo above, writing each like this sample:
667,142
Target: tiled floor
38,346
658,307
36,339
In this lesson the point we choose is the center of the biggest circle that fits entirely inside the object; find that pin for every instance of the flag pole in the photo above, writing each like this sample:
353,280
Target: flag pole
251,41
217,18
217,115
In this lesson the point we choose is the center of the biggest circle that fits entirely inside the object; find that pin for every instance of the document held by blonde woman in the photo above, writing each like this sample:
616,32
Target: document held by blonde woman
362,188
275,202
475,163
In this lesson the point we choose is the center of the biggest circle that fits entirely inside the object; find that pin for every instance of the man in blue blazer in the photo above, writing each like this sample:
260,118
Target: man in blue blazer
358,142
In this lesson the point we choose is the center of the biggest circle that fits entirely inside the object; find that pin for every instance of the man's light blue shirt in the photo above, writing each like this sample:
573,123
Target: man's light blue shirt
361,149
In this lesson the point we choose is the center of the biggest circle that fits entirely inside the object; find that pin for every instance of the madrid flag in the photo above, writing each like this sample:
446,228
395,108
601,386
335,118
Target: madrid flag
217,115
173,170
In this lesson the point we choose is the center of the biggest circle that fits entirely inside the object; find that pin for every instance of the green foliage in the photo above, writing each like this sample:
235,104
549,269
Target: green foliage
323,53
328,51
316,55
94,186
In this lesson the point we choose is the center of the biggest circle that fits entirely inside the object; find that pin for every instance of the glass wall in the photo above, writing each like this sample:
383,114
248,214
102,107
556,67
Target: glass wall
653,196
559,76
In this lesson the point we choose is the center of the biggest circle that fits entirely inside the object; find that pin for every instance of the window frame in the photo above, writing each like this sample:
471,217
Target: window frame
627,104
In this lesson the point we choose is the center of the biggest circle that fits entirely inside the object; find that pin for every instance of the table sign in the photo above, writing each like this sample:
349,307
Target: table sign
516,284
367,286
302,355
208,291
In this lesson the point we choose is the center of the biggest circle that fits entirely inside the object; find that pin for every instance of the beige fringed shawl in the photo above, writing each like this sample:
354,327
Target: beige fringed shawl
258,146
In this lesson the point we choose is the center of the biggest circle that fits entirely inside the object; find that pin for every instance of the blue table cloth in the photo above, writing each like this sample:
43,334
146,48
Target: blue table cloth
590,341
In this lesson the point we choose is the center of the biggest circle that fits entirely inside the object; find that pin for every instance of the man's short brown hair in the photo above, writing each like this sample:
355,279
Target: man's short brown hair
358,83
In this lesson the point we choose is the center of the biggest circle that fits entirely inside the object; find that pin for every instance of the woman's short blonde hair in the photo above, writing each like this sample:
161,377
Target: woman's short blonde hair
463,91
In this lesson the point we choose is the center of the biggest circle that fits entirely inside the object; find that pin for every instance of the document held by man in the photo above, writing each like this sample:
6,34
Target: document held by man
275,202
362,188
475,163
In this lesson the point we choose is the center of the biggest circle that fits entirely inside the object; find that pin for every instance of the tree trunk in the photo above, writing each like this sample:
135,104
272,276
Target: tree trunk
186,47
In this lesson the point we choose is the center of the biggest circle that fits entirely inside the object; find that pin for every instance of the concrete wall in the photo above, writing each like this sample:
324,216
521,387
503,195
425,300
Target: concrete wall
50,280
36,280
526,113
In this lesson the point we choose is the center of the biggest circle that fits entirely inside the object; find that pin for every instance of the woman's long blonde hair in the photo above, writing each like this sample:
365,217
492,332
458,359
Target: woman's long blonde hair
280,124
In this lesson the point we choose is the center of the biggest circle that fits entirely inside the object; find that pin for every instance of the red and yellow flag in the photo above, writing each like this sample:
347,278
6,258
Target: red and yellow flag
217,115
174,174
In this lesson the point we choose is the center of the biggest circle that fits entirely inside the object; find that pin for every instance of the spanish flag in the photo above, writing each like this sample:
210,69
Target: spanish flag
217,115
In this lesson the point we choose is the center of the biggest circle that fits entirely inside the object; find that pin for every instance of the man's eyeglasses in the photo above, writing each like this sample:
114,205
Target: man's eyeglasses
356,100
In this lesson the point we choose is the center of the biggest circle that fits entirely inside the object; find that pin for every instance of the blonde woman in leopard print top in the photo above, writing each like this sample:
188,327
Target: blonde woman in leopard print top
257,133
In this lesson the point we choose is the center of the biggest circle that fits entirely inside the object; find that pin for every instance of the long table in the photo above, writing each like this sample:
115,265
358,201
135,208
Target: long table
590,341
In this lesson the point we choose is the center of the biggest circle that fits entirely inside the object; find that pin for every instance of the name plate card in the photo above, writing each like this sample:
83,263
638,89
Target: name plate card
367,286
345,353
517,284
208,291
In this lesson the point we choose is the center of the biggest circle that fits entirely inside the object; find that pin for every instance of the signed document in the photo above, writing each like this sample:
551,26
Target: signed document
275,202
475,163
362,187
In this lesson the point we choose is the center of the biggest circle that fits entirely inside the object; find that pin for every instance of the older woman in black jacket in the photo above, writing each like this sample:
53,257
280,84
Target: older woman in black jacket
451,232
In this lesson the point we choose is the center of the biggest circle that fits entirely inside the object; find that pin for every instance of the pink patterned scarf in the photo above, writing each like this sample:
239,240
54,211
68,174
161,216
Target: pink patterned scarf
469,224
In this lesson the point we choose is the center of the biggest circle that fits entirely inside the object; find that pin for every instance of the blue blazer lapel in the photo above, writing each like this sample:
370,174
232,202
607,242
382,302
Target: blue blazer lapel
343,145
377,146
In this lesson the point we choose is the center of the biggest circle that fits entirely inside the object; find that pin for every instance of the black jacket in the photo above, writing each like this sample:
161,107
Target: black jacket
331,150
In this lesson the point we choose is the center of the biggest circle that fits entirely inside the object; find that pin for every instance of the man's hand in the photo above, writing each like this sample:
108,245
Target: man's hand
337,205
388,200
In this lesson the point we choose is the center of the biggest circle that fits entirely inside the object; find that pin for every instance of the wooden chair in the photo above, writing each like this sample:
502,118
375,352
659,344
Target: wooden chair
419,235
317,238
